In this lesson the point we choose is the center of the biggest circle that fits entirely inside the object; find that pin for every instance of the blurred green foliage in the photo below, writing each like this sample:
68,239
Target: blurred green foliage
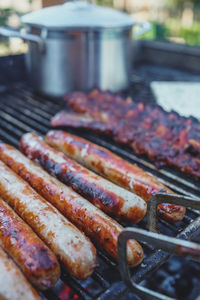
191,35
105,2
4,18
173,28
182,2
157,32
4,15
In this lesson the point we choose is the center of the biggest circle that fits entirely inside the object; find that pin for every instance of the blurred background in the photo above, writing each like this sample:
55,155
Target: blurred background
177,21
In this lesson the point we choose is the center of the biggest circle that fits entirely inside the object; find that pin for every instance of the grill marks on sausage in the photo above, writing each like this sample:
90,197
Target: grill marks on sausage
92,191
105,163
111,198
114,168
13,284
38,255
78,181
35,259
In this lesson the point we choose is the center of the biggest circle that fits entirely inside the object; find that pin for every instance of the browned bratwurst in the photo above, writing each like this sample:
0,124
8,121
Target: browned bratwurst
97,225
117,202
13,284
70,245
114,168
33,257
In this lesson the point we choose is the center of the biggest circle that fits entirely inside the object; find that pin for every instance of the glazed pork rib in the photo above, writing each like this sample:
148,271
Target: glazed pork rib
103,230
165,138
13,284
34,258
112,199
71,246
114,168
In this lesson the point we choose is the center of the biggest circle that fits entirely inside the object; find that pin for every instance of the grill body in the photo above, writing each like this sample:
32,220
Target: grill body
23,111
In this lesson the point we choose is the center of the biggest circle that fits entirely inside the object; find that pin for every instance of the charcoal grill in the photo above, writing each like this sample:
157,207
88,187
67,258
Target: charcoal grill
23,111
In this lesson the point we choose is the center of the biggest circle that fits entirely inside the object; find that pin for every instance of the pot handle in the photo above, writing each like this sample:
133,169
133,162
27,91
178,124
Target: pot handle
8,32
142,28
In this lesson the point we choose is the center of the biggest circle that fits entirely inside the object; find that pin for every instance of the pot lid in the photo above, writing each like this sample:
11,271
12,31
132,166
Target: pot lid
78,14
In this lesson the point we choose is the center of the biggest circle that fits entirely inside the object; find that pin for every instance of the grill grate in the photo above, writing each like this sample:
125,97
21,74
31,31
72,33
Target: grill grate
22,111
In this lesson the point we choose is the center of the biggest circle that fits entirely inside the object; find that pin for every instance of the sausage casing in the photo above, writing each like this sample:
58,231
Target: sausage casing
70,245
114,168
97,225
13,284
34,258
112,199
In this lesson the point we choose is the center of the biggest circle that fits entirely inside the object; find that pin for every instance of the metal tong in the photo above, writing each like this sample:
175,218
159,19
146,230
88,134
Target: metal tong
172,245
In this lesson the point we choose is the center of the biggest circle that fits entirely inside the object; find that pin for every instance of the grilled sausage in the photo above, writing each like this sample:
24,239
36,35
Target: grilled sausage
111,198
114,168
97,225
34,258
13,284
70,245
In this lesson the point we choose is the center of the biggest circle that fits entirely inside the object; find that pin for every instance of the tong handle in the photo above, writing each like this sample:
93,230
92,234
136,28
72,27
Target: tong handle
166,243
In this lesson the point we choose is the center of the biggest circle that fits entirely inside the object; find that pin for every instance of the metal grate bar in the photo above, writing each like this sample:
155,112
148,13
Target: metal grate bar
11,129
24,109
9,118
100,279
22,118
8,139
25,94
39,110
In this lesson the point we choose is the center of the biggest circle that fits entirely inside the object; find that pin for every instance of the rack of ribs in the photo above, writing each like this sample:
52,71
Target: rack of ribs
165,138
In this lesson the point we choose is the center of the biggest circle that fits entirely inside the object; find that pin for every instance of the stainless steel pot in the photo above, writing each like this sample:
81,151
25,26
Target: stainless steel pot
78,46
